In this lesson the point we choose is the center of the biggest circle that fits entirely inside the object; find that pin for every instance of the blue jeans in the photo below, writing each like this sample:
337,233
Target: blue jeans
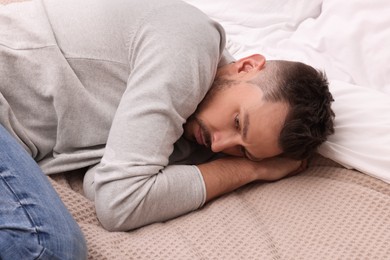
34,223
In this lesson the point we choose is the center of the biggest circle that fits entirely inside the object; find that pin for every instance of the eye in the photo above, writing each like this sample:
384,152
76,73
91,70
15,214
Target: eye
237,122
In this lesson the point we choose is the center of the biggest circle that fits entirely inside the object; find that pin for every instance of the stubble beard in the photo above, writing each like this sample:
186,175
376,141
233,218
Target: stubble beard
218,85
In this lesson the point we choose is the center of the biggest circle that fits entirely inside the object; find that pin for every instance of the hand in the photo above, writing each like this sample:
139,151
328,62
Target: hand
229,173
275,168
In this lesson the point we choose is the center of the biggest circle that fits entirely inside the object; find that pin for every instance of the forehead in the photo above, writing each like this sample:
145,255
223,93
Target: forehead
266,122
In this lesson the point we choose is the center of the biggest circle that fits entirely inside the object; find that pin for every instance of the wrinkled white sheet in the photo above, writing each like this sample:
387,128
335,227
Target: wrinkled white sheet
348,39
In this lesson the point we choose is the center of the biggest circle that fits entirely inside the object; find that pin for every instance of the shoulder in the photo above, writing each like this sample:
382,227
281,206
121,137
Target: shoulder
178,22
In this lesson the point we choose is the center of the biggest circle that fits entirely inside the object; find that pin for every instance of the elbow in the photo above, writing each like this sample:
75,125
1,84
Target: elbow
114,218
121,212
107,218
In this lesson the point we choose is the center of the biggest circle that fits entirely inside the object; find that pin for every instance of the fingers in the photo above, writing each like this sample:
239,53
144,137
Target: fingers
301,168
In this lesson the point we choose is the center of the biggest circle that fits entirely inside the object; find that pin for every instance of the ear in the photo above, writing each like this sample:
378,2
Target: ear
253,62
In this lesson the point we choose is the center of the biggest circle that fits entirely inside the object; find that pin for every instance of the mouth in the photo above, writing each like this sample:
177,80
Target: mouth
202,135
199,136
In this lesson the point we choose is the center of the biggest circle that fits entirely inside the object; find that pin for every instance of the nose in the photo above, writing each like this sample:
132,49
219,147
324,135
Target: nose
224,141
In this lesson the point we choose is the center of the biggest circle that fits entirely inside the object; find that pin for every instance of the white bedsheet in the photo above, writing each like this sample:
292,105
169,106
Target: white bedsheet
349,39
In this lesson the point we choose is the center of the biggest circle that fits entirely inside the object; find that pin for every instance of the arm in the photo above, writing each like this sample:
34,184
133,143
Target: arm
173,59
227,174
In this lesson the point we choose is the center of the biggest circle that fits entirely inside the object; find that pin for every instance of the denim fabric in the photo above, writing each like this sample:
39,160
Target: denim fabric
34,223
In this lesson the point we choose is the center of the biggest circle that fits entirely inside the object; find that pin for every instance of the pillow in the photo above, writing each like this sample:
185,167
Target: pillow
362,130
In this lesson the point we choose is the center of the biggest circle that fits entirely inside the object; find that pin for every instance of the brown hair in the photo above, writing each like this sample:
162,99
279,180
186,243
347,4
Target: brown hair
310,118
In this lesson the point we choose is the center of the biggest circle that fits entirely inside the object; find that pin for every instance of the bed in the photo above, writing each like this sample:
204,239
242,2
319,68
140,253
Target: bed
339,208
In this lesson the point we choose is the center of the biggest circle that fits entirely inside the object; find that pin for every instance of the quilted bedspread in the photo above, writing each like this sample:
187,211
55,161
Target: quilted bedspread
326,212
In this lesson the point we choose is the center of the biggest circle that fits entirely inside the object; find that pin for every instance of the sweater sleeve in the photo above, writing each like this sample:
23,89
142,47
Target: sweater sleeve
173,58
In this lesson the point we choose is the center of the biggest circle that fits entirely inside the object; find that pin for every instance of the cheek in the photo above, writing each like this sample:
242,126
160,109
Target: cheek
215,108
205,106
212,103
216,112
207,111
215,120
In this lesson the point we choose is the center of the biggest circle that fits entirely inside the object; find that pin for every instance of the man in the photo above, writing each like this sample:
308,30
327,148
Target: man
112,86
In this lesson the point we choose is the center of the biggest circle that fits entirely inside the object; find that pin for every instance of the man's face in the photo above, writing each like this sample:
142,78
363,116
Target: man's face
235,120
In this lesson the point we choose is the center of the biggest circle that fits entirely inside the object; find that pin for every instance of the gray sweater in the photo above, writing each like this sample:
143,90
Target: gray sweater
108,85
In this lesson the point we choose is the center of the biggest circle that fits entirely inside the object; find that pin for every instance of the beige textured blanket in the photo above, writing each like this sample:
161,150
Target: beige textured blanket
327,212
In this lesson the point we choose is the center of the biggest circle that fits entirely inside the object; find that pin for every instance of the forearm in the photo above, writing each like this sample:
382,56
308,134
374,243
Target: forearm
227,174
224,175
124,202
